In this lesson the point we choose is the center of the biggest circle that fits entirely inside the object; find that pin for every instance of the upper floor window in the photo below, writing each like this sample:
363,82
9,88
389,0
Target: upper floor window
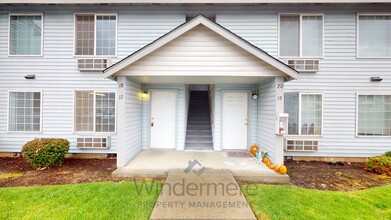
96,35
374,115
301,35
374,36
25,37
24,111
305,113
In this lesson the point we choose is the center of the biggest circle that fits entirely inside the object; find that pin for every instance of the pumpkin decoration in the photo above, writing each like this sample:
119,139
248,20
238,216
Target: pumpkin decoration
253,149
265,160
272,167
282,170
276,168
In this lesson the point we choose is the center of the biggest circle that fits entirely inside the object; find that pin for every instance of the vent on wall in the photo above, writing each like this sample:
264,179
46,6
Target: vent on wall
93,142
301,145
304,65
90,64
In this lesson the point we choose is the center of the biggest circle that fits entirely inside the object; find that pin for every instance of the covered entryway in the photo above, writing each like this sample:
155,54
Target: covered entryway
163,118
200,52
235,120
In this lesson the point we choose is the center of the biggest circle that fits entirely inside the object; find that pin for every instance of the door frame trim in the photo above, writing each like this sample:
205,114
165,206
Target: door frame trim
149,130
249,118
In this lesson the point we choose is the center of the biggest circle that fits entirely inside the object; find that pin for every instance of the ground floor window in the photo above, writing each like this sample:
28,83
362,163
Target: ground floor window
24,111
94,111
374,115
305,113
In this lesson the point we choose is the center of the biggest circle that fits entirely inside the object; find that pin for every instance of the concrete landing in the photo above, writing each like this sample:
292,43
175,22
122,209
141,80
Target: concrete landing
157,163
201,194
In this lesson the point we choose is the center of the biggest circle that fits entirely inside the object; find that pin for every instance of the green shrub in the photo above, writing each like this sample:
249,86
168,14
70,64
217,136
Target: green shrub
379,165
45,152
387,154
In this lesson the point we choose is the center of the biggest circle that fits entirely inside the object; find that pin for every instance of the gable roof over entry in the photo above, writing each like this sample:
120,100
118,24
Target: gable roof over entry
198,34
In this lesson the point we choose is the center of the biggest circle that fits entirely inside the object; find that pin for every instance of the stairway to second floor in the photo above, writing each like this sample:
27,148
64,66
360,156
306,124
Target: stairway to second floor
199,132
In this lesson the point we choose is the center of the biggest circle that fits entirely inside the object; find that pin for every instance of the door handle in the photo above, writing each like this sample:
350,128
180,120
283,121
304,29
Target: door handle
152,124
245,121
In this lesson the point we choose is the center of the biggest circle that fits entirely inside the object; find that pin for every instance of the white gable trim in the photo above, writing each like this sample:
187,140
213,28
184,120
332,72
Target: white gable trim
112,70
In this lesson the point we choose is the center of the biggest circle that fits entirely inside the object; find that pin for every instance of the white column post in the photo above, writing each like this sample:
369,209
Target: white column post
121,144
279,87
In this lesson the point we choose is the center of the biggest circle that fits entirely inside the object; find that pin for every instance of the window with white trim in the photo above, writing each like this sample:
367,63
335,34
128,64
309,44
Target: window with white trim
24,112
301,35
94,111
25,37
374,36
305,113
374,115
96,35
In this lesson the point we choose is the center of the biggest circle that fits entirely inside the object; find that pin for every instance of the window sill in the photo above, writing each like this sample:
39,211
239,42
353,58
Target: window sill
303,136
23,56
95,56
301,58
95,133
24,132
373,136
373,58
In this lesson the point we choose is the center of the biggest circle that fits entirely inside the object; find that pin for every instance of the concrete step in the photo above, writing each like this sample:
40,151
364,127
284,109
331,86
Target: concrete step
198,122
199,139
199,132
199,135
208,145
199,127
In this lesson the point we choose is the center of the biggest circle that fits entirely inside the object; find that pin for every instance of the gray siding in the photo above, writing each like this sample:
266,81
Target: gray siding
340,78
266,118
56,72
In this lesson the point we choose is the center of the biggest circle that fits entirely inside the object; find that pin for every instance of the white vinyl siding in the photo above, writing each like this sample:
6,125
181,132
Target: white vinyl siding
95,35
94,111
374,36
25,35
301,35
374,115
24,111
306,112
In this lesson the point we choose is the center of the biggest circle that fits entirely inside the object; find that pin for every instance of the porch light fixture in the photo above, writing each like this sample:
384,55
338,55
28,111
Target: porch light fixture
144,95
376,79
254,96
29,76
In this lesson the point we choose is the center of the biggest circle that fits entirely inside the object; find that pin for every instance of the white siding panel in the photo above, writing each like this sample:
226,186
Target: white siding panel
56,72
200,52
132,120
266,118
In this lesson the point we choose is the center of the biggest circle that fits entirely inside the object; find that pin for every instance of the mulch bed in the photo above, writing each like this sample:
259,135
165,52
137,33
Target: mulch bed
326,176
72,171
312,175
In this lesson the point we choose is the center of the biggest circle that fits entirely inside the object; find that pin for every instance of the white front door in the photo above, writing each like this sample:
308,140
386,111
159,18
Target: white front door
235,105
163,118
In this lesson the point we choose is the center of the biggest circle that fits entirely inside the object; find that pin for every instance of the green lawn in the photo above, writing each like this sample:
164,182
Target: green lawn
289,202
91,200
122,201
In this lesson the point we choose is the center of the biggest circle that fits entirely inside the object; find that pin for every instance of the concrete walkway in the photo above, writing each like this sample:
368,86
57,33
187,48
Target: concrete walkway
157,163
201,194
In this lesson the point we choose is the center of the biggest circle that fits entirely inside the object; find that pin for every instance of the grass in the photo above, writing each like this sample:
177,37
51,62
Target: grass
123,201
80,201
290,202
